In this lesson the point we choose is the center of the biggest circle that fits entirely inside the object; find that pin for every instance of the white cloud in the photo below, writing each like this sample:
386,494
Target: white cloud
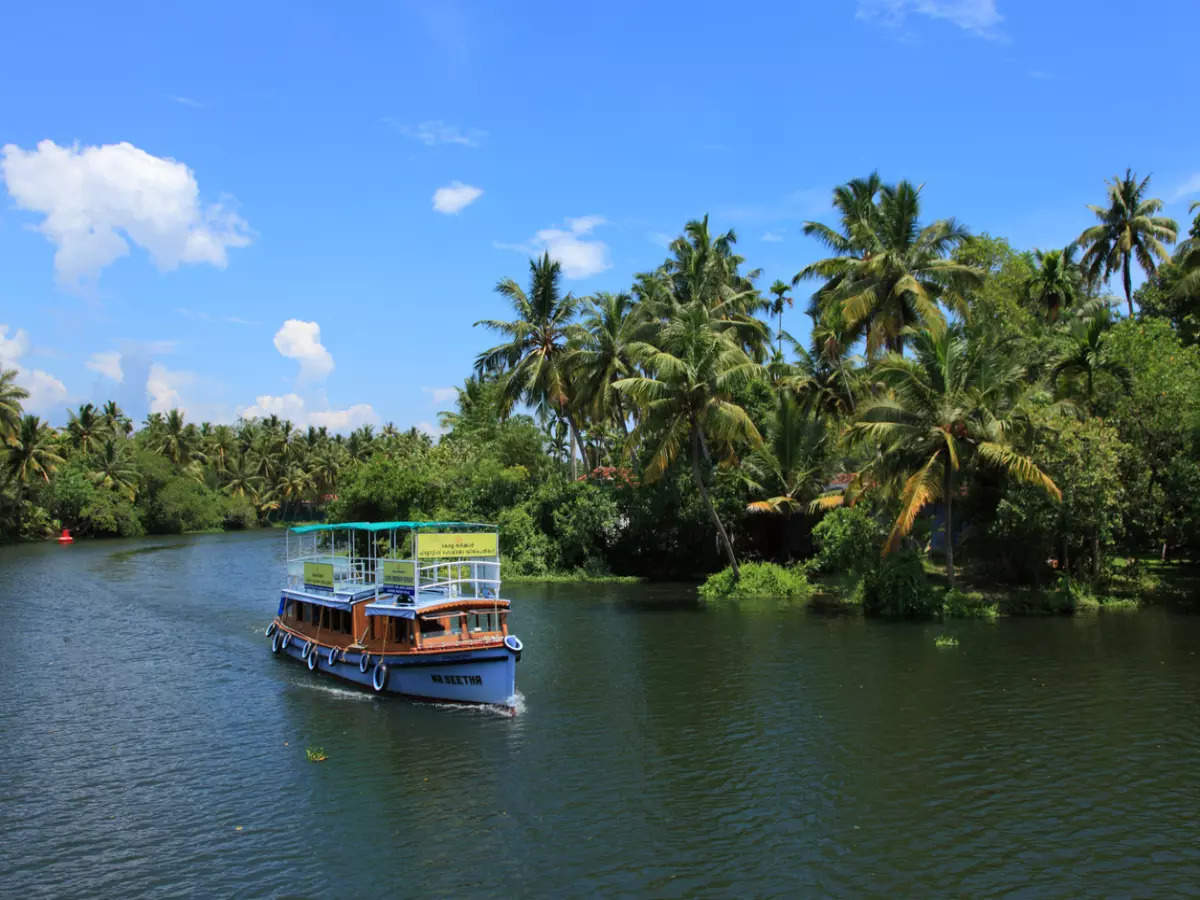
772,238
12,348
977,16
107,364
301,341
455,197
1190,185
46,393
430,429
293,407
437,132
442,395
579,258
97,199
162,388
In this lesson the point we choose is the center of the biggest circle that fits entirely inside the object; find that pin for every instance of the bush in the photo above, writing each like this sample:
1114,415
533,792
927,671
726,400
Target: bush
759,580
239,513
846,539
967,605
898,588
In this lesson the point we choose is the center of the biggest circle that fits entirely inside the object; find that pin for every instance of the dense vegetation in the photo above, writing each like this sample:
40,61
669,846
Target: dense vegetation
959,401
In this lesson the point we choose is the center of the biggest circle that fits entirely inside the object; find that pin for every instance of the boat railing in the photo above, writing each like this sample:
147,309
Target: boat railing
350,573
475,578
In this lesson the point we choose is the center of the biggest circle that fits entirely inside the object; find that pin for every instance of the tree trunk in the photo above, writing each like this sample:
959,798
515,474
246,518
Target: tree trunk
949,526
1096,555
696,475
1125,278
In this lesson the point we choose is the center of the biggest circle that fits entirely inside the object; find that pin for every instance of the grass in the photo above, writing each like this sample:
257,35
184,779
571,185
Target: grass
572,578
315,754
945,640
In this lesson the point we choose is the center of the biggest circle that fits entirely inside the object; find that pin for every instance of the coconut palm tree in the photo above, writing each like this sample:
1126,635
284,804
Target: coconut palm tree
611,325
888,273
686,399
957,399
83,428
31,451
240,476
1129,229
790,463
112,468
115,419
1187,257
176,440
534,360
780,290
11,395
1086,353
1057,283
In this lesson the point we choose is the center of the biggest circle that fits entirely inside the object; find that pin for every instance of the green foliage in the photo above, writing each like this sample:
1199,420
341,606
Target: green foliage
945,640
759,580
91,509
957,604
847,540
897,588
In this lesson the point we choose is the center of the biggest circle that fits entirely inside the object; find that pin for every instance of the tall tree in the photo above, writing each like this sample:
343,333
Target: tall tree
533,361
1056,284
687,399
31,452
957,398
112,468
11,395
1129,229
780,290
611,325
83,428
1086,353
888,273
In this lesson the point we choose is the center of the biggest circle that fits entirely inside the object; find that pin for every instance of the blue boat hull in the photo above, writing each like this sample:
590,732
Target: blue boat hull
486,676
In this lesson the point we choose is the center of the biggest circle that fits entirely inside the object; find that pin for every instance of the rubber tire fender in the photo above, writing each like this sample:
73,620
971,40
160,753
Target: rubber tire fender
364,663
379,677
275,642
332,657
287,639
312,660
271,629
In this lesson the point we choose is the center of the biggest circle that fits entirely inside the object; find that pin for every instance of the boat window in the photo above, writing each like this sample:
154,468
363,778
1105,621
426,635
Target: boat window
481,622
455,624
432,628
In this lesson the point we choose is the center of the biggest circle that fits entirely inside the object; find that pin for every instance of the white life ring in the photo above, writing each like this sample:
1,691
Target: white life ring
379,677
312,660
513,643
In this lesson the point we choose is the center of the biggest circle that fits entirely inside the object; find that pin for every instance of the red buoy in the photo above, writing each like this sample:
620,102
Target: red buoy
65,537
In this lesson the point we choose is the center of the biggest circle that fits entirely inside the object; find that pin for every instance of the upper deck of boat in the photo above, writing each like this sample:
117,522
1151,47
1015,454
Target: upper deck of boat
394,568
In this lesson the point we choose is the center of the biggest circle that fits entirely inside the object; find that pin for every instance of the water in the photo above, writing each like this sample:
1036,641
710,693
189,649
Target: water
153,745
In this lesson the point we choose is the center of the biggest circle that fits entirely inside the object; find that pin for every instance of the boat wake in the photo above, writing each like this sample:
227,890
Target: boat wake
339,692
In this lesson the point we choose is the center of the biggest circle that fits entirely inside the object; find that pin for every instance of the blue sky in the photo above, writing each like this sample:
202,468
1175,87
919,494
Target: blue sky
283,207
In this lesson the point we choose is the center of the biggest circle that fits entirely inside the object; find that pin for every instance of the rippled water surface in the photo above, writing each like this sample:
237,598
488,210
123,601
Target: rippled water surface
153,745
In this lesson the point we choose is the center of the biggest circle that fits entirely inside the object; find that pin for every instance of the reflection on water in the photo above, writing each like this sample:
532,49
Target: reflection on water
154,745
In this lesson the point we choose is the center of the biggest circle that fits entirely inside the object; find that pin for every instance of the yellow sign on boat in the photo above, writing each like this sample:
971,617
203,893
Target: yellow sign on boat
398,572
457,546
319,575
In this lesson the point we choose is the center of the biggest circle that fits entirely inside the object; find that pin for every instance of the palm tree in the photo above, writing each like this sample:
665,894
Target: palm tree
612,323
686,399
240,476
1087,353
957,398
83,427
11,395
115,419
1129,229
31,451
790,462
175,440
888,273
1057,283
1187,257
111,468
533,362
780,289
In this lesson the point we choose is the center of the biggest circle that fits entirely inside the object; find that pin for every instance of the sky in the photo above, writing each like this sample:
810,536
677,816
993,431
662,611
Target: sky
243,209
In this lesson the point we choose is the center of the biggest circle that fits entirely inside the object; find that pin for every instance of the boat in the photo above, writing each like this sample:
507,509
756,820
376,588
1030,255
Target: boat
404,608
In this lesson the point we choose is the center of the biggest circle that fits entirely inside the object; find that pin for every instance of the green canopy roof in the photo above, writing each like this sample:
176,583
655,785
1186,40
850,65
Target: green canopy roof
384,526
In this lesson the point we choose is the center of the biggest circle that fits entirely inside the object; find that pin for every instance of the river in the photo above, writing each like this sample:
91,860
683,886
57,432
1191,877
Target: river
154,746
